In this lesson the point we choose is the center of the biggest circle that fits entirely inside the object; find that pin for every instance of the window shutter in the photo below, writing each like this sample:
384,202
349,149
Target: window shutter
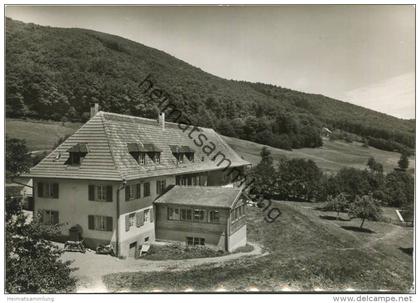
138,220
141,218
127,193
40,189
138,191
91,192
91,222
151,215
109,223
55,190
127,222
109,193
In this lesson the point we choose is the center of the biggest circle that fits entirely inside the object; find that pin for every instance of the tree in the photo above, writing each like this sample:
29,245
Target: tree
18,159
375,166
365,207
399,189
33,263
353,182
299,179
263,174
403,162
338,204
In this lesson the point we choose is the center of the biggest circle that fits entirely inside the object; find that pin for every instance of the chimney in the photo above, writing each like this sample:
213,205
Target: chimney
162,120
94,110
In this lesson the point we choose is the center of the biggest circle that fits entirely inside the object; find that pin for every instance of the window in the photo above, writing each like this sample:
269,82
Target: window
199,215
74,159
157,158
173,214
214,216
100,193
142,158
146,215
160,186
190,156
186,214
146,189
195,241
49,217
180,158
132,191
76,154
101,223
139,220
131,219
237,213
48,190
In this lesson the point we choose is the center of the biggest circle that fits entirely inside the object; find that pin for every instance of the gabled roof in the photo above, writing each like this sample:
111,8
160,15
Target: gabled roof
108,137
221,197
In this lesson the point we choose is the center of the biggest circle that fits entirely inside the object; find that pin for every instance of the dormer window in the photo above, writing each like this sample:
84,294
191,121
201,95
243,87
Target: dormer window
179,152
190,156
76,154
179,158
156,157
138,151
142,159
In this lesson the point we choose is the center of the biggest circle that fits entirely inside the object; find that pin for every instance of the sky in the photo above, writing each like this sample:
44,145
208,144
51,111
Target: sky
362,54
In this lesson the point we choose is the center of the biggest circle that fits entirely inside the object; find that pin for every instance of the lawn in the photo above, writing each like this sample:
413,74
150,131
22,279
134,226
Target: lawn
306,252
332,156
39,135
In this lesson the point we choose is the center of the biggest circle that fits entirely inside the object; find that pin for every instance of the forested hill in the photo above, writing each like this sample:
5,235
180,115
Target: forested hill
57,73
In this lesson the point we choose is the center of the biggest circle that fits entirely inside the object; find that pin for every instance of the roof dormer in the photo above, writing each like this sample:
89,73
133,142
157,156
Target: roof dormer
76,154
179,152
139,151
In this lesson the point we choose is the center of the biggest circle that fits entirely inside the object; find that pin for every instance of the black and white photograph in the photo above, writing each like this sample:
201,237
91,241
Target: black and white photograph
209,149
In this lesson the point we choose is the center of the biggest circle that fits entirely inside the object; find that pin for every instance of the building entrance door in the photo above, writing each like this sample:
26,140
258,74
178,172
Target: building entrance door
132,249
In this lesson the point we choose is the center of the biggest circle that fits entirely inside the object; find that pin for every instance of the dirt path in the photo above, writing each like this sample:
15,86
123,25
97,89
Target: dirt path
92,267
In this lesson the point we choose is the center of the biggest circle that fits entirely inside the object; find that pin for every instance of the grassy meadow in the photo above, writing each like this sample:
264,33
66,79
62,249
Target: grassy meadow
332,156
306,253
39,134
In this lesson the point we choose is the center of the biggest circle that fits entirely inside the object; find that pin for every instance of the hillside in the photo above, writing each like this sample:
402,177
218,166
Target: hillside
331,157
43,135
306,253
57,73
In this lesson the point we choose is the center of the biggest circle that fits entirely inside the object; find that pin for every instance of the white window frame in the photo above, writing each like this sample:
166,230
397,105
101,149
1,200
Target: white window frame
142,158
146,215
161,185
49,190
132,191
132,219
47,216
99,223
174,214
213,214
100,192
